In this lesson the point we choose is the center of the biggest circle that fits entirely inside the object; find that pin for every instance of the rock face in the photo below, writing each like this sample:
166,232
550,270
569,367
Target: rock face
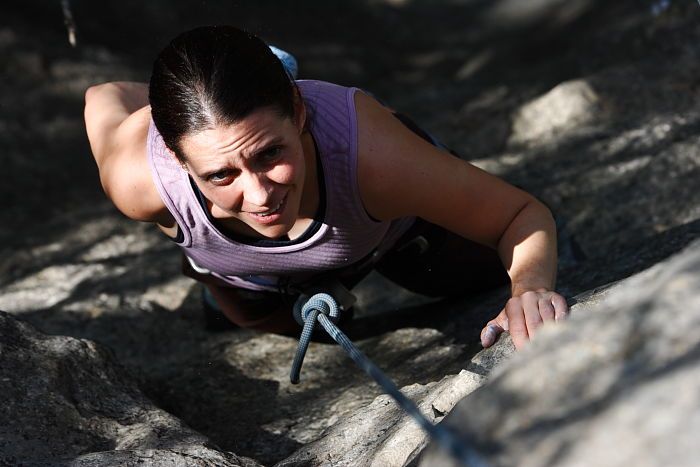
616,386
381,434
592,106
66,402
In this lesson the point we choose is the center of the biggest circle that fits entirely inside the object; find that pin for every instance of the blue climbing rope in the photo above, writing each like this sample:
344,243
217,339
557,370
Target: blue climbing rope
322,309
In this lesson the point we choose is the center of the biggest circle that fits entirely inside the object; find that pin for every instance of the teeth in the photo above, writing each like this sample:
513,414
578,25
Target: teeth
271,211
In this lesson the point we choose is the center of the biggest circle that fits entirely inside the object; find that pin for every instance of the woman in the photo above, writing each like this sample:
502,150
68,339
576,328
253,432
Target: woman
273,188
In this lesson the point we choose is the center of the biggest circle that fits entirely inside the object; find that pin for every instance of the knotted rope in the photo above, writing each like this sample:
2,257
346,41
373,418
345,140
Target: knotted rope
322,308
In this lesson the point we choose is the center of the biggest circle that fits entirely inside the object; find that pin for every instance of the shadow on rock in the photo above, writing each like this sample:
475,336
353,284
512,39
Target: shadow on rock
215,398
626,359
74,399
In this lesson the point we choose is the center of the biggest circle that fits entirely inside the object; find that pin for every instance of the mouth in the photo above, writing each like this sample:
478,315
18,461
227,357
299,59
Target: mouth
271,215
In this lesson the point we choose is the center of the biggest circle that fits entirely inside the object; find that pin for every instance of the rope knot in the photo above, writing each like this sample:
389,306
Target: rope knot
319,304
323,304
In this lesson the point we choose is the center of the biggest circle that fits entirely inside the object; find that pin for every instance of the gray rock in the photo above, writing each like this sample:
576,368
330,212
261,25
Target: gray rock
65,402
620,173
382,434
566,107
615,386
236,388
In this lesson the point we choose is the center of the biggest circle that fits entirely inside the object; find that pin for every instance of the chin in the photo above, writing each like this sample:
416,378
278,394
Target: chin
275,232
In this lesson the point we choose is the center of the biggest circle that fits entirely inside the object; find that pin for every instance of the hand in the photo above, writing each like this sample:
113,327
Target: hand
523,315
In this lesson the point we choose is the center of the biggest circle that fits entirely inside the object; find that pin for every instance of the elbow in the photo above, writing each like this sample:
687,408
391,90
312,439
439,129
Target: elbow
532,216
539,205
91,97
538,213
545,212
92,92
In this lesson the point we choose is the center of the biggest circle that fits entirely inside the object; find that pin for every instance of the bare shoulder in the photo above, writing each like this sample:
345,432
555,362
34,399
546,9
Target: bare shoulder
132,188
400,174
118,134
395,164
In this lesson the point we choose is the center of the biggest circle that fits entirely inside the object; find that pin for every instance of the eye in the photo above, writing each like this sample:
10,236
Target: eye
220,177
269,155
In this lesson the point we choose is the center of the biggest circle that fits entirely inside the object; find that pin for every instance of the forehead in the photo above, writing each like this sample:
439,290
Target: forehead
261,127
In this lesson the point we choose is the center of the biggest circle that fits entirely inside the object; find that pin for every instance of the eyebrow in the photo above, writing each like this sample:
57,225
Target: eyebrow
268,145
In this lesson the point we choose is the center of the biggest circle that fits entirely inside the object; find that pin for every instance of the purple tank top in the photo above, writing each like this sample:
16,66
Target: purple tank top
347,234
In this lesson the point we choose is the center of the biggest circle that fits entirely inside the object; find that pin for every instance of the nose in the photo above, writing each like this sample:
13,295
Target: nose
257,189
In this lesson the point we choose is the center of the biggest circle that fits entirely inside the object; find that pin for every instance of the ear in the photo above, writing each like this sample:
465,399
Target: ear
172,154
299,111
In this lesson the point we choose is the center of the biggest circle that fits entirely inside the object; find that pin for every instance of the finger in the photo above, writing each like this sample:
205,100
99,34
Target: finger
531,308
561,308
489,334
502,320
547,311
516,323
493,329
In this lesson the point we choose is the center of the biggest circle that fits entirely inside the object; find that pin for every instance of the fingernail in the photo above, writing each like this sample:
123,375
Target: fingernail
488,336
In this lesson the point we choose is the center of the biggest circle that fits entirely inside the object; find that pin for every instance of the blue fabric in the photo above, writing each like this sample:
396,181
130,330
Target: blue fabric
288,61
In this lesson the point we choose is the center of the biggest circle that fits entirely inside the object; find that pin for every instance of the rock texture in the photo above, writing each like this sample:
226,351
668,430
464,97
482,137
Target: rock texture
565,108
381,434
616,386
66,402
590,105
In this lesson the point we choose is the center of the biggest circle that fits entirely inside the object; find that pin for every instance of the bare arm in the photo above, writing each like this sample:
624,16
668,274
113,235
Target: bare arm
117,117
400,174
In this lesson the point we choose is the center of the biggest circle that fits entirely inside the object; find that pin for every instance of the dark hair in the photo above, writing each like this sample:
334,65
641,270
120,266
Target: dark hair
214,75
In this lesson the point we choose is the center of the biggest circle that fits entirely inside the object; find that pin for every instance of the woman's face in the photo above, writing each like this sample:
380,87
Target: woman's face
252,171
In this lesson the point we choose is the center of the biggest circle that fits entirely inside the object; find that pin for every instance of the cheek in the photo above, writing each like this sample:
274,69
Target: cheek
285,174
222,196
